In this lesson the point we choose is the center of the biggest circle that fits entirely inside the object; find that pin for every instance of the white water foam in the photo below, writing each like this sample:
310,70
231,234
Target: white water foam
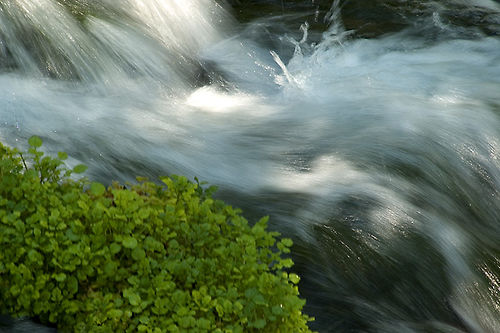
408,123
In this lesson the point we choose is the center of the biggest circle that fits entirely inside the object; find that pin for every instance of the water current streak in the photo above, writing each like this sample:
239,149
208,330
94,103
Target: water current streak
368,130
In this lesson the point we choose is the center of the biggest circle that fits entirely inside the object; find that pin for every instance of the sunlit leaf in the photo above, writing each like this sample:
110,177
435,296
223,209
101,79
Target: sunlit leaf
129,242
97,189
35,141
80,168
62,156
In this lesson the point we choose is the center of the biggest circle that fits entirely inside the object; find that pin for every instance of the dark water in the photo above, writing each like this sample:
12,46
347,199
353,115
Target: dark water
368,130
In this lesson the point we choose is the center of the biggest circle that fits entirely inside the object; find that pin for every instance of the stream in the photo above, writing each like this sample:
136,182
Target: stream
369,132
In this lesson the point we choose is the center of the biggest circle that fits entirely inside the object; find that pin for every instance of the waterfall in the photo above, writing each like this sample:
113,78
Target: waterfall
373,140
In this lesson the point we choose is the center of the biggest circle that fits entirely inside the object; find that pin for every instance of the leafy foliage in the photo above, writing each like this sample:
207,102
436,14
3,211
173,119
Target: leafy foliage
148,258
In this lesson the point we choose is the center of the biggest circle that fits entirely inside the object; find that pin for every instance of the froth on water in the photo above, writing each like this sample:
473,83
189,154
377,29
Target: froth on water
378,156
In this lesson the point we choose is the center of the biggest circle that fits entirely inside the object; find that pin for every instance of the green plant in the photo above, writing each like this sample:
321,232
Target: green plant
146,258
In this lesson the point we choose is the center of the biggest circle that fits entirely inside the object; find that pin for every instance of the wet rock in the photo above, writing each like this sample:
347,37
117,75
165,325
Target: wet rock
372,18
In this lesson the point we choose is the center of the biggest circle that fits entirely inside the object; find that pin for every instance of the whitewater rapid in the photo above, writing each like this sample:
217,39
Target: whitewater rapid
380,156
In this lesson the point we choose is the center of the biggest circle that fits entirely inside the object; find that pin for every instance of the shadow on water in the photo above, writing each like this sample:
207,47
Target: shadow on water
371,18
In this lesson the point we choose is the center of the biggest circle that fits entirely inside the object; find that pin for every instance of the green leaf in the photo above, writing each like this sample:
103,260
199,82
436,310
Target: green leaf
287,242
110,268
129,242
62,155
71,236
260,323
294,278
59,277
72,284
15,290
277,310
97,189
132,297
35,141
80,168
138,254
115,313
115,248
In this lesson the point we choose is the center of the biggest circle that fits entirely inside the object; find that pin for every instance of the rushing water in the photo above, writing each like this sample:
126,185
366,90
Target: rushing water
368,130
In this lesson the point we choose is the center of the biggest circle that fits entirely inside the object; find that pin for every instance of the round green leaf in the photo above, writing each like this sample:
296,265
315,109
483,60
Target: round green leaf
59,277
97,188
115,313
259,323
80,168
132,297
129,242
35,141
72,285
138,254
62,155
115,248
287,242
294,278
